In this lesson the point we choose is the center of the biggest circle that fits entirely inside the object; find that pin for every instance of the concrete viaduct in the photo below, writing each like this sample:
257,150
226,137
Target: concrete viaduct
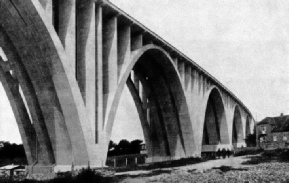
65,66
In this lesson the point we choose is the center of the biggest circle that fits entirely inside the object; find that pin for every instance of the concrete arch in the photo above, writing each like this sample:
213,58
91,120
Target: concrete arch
170,96
26,130
215,129
50,83
44,154
237,128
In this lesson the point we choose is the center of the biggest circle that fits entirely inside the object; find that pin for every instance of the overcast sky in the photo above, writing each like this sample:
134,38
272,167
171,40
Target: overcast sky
242,43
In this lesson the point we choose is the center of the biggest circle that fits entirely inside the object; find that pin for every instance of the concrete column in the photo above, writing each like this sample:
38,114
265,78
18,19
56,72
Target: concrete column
188,83
136,42
109,59
176,62
144,94
201,84
99,73
66,28
159,142
86,53
181,68
136,81
172,125
204,84
157,145
124,46
142,116
27,132
148,113
193,80
197,79
140,90
188,77
47,6
211,124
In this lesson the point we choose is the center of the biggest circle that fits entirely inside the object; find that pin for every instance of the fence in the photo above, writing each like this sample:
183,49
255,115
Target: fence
126,160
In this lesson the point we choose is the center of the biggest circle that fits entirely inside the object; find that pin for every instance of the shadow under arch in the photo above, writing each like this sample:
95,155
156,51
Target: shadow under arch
248,126
169,114
237,127
215,129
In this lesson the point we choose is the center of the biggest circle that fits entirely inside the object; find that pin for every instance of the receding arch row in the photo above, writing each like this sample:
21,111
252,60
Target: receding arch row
215,124
216,111
165,94
60,115
225,125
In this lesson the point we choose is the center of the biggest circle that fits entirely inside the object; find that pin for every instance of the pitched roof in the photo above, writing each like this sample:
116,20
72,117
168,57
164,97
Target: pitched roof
282,124
267,120
10,167
279,123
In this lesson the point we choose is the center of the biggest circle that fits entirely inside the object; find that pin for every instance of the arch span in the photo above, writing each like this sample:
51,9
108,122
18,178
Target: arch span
42,68
237,133
165,119
215,129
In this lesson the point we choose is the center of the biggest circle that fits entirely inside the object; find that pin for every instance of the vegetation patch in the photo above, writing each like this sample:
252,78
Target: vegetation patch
248,151
277,155
164,164
85,175
229,168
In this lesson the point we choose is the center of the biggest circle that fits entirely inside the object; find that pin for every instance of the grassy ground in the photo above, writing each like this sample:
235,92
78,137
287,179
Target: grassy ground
269,166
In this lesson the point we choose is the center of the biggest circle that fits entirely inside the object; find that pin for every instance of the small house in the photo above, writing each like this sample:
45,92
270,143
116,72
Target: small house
273,132
12,170
143,149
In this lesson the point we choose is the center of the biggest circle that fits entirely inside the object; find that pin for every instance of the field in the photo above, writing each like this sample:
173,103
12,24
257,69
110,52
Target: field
272,166
266,167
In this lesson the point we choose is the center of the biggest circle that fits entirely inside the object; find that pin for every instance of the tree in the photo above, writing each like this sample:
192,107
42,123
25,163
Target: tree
251,140
12,153
111,145
124,147
135,146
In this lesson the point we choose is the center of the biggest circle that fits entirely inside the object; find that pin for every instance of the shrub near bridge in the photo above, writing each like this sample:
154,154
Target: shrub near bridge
248,151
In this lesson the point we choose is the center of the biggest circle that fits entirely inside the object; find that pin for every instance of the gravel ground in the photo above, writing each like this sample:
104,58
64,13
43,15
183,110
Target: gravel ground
264,172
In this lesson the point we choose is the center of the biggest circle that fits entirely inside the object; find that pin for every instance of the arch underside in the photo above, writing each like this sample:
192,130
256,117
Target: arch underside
248,126
156,101
237,135
215,130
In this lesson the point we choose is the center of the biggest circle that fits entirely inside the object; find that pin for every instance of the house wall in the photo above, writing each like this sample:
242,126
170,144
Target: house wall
280,142
267,132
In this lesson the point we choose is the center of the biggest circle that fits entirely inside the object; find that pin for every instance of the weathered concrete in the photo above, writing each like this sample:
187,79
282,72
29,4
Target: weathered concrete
72,60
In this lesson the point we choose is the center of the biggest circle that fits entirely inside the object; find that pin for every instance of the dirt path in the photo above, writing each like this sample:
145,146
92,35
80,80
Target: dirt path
147,175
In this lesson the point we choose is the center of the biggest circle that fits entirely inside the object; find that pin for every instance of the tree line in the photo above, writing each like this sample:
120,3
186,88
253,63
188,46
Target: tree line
124,147
12,154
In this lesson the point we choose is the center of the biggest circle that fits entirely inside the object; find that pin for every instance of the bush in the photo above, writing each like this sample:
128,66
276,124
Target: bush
254,161
248,151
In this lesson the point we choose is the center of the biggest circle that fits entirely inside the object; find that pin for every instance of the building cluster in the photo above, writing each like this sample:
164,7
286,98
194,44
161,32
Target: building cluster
273,132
